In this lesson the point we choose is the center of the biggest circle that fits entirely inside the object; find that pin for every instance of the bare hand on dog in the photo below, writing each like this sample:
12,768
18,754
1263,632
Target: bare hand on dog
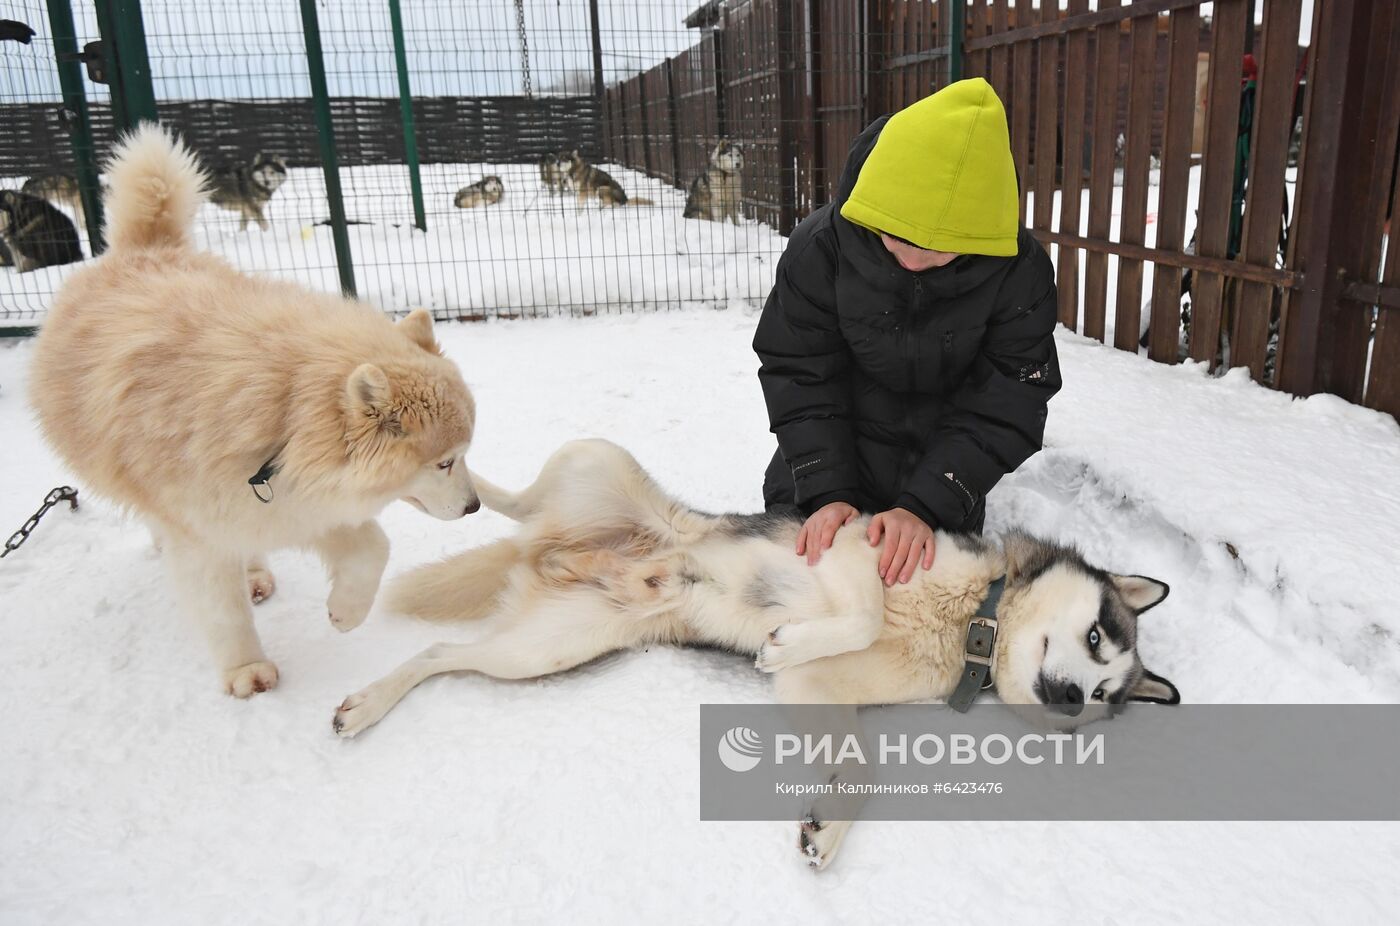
907,539
820,529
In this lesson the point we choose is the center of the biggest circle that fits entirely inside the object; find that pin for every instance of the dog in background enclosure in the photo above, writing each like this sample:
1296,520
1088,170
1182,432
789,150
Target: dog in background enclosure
238,414
485,192
60,189
248,188
717,194
605,560
35,234
554,172
595,183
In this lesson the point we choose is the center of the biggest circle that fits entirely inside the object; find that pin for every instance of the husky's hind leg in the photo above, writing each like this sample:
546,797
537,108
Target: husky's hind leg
554,635
212,587
355,557
828,692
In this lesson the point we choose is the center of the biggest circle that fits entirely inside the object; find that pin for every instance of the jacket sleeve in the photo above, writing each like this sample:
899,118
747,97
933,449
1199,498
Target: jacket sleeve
997,417
805,373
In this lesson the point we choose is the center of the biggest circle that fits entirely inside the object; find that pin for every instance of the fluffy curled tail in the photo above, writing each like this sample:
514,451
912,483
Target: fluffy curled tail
155,190
460,588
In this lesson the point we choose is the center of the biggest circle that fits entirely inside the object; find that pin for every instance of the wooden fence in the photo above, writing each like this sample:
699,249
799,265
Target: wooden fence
496,129
1289,285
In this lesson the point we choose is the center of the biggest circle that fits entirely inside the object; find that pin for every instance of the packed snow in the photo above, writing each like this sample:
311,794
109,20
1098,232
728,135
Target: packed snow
133,791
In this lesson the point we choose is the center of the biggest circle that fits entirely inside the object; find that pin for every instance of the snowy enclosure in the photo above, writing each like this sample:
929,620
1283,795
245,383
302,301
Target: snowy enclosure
532,253
133,790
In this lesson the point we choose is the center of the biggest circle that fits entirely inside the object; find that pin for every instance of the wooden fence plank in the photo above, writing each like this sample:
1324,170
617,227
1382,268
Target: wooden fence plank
1047,119
1136,166
977,64
1101,168
1263,214
1021,105
1217,173
1182,44
1000,75
1072,185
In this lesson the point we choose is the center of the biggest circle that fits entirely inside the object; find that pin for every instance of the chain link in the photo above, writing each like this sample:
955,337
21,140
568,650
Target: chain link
17,539
524,45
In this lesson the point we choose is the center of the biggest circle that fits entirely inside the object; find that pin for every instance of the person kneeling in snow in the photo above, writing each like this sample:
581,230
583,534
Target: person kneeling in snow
907,350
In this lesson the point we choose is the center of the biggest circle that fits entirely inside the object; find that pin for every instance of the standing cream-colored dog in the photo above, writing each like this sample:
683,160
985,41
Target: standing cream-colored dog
239,414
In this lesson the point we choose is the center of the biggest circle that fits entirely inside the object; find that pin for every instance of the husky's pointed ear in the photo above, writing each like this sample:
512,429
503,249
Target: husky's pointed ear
1154,689
418,327
1140,592
1025,555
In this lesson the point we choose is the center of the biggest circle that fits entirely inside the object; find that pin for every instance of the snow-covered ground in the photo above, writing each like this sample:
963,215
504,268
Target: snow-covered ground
133,791
531,253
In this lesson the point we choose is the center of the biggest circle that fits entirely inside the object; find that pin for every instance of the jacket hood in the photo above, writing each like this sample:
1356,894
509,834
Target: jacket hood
938,173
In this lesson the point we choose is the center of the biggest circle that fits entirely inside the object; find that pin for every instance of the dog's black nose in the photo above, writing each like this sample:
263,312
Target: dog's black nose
1071,702
473,507
1067,699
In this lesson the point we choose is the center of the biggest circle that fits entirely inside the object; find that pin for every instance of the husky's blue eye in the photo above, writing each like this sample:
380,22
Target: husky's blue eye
1098,694
1093,638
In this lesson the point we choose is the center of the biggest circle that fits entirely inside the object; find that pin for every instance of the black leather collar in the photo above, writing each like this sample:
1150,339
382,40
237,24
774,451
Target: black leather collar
978,649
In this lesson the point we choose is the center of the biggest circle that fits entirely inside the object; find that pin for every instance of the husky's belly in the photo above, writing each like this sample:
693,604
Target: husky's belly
742,585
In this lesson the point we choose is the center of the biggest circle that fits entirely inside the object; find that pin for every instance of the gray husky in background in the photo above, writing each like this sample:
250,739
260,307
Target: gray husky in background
248,188
485,192
717,194
60,189
34,234
605,560
554,173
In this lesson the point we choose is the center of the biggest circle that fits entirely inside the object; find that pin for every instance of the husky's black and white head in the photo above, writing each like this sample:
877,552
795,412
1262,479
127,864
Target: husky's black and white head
1068,633
728,157
268,172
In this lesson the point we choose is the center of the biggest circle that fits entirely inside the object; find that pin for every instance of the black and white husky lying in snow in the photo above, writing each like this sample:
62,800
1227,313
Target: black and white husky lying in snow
605,560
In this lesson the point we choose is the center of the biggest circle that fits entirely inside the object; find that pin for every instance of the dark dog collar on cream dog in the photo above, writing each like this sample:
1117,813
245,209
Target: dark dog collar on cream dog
977,650
262,488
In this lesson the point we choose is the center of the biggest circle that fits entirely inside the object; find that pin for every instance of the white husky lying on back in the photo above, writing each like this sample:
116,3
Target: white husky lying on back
605,560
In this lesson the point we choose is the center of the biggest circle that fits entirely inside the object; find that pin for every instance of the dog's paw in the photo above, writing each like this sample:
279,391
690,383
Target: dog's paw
261,584
348,606
783,649
818,840
246,681
359,712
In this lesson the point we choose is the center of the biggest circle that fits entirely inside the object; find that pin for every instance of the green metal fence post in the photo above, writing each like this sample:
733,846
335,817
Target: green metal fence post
325,134
75,115
410,139
129,66
957,19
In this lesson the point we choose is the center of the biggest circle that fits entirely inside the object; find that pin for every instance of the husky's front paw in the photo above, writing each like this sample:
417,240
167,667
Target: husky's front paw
785,648
818,840
349,605
359,712
246,681
261,584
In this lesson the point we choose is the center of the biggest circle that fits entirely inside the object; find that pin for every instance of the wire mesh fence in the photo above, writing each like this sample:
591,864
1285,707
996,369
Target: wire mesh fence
494,94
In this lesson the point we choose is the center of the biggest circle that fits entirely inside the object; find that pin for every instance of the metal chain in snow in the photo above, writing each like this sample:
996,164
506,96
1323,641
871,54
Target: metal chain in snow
17,539
524,45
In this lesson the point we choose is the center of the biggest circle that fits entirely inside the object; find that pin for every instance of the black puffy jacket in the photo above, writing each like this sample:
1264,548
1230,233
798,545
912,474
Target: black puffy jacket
888,388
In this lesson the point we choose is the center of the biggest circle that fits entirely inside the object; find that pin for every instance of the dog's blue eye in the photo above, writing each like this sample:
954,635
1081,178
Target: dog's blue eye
1098,694
1093,638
